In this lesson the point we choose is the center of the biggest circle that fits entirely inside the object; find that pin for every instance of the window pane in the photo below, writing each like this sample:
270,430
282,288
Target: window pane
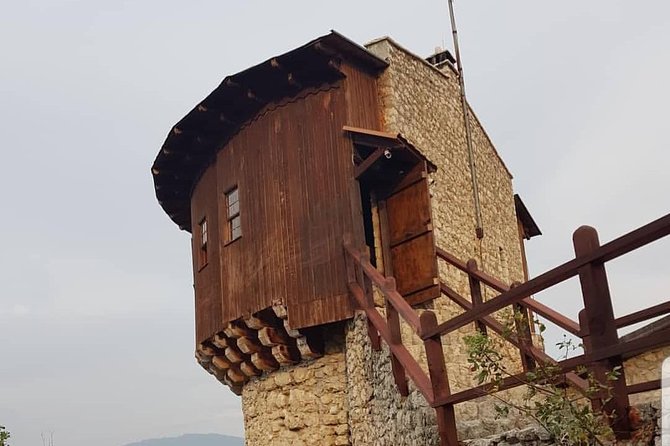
236,233
235,228
203,232
233,209
233,197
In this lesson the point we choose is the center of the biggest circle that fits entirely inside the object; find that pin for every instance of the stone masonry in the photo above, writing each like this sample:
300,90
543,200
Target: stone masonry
348,396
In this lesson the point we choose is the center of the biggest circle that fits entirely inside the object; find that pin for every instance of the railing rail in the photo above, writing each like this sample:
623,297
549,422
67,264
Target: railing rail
597,326
610,251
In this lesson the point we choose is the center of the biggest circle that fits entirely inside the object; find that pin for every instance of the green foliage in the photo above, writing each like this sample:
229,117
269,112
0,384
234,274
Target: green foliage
567,417
4,436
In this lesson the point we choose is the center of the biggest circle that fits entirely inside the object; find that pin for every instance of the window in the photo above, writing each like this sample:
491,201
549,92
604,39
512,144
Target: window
234,222
203,239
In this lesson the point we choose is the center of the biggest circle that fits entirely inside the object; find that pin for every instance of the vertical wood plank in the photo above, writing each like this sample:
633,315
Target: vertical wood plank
446,418
598,318
393,321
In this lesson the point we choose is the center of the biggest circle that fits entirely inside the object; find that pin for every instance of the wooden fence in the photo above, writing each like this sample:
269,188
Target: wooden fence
597,327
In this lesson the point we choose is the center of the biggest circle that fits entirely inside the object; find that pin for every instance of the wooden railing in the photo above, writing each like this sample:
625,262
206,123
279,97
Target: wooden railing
597,326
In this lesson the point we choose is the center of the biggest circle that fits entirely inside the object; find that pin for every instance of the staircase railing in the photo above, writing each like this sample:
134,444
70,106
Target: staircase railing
597,326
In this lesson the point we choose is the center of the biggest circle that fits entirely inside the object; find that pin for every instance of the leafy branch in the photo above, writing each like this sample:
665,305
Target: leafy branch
567,419
4,436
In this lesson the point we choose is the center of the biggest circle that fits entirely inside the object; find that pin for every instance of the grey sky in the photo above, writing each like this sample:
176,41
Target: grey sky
96,317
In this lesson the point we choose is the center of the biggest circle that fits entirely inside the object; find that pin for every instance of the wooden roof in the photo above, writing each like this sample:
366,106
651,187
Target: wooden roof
192,144
530,228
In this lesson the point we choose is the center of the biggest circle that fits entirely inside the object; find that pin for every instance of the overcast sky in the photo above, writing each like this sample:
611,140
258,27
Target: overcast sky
96,297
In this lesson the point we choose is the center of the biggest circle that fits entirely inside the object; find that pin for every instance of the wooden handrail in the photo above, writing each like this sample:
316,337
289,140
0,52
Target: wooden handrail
551,315
638,345
643,315
486,279
399,303
577,382
530,303
616,248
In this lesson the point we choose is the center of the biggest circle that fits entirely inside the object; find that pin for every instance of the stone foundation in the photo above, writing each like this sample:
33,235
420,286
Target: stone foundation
300,405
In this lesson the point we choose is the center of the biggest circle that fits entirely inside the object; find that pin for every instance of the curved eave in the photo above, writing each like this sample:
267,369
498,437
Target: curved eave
192,144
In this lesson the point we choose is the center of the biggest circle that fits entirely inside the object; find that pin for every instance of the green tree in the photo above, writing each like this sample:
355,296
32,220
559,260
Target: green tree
4,436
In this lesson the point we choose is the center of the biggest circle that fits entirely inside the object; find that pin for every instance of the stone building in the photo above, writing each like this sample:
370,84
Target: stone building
272,171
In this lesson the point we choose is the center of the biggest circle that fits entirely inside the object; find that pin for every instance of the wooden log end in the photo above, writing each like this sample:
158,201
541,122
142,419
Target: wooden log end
249,345
221,362
270,336
221,340
285,354
291,332
306,350
280,311
236,376
264,361
249,369
234,355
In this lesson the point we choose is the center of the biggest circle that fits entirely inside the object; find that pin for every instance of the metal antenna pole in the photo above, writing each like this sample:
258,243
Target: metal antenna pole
479,230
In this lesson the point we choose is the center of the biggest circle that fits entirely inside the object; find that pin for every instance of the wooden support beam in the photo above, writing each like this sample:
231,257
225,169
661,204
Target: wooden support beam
286,354
290,331
220,374
231,83
237,329
221,362
251,95
261,319
264,361
307,349
249,345
280,311
600,331
368,162
203,359
271,336
292,81
236,375
234,355
209,349
220,340
249,369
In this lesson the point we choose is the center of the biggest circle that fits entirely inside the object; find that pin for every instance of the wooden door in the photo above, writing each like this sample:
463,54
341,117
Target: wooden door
408,239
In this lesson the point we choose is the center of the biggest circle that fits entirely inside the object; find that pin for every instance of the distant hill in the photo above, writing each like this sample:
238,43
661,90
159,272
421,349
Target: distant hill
193,440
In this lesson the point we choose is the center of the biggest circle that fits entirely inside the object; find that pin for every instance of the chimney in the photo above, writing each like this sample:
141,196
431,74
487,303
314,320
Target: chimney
441,58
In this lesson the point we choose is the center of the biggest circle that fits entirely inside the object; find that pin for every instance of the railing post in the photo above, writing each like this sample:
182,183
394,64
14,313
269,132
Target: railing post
597,321
522,324
446,419
475,292
393,321
366,285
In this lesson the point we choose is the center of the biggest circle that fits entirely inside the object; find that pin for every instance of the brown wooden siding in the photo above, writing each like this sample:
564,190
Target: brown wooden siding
207,278
293,166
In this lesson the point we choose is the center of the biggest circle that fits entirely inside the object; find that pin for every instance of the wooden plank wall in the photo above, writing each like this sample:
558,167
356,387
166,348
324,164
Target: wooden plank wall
207,279
293,166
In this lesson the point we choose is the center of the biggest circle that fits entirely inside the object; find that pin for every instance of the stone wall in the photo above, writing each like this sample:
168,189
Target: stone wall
423,104
300,405
643,368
